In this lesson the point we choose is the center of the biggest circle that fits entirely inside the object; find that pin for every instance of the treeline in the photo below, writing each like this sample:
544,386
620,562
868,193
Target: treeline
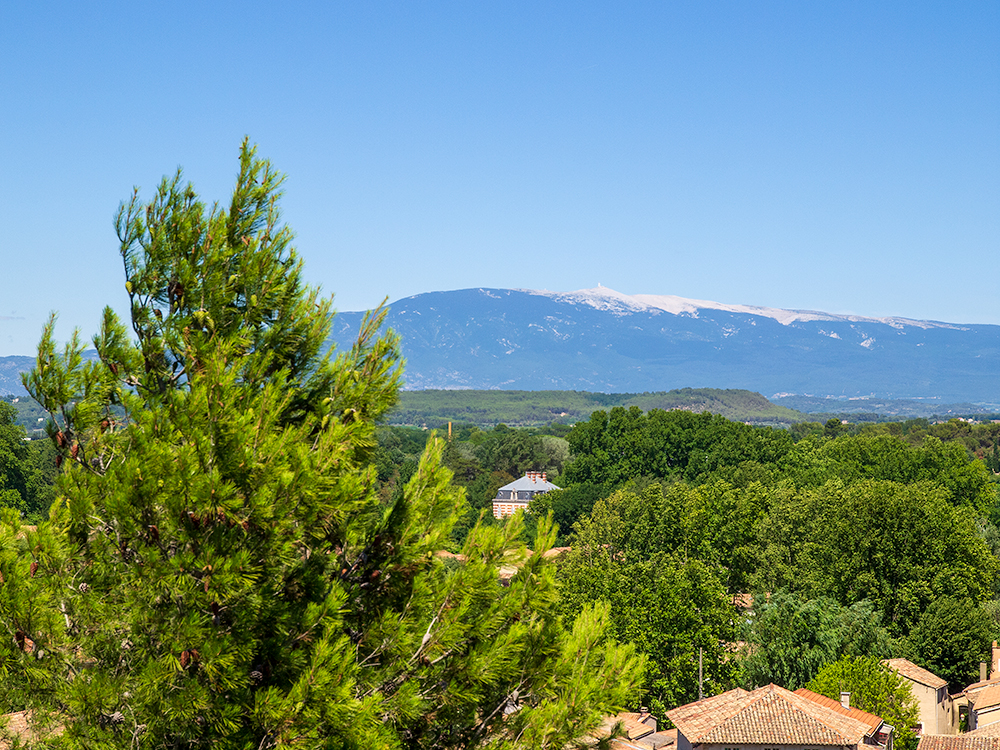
832,540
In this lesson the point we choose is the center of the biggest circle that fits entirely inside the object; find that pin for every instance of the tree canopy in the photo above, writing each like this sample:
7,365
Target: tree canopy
874,688
220,570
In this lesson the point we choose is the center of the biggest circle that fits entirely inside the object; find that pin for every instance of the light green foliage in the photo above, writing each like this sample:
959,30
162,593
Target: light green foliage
538,408
668,605
874,688
883,457
220,570
789,638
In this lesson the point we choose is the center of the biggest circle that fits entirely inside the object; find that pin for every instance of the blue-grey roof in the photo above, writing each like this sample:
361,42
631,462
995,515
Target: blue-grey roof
533,483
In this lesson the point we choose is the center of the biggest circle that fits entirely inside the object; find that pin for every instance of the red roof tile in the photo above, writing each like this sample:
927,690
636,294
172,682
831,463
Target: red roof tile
990,730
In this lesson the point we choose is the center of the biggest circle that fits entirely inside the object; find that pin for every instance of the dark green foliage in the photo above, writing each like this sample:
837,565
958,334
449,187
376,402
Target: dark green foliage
567,506
950,639
874,688
612,448
27,468
789,638
513,452
900,546
30,414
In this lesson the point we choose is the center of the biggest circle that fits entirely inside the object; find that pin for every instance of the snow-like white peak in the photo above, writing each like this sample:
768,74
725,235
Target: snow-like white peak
603,298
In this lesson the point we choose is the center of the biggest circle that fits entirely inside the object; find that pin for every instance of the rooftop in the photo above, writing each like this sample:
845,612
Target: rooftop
912,672
873,721
769,715
990,730
534,481
967,741
988,696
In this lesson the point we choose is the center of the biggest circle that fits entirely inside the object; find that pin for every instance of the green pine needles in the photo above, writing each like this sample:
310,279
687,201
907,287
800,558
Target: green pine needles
218,570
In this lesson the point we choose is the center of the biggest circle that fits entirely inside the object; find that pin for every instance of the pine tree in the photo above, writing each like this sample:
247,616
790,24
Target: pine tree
218,569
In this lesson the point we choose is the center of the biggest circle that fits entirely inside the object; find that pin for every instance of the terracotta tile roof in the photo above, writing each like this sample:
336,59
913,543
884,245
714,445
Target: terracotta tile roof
873,721
988,696
743,601
990,730
912,672
967,741
636,726
769,715
19,726
974,687
698,718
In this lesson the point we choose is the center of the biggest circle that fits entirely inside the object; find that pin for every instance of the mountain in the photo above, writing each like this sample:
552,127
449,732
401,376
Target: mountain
10,374
602,340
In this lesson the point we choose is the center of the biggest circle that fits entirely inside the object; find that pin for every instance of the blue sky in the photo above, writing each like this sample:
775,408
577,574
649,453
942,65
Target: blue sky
840,156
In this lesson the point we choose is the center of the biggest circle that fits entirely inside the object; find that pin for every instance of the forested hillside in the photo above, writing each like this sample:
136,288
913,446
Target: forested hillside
537,408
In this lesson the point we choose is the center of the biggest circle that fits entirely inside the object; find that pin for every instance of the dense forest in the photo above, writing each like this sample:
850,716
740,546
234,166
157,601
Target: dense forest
849,539
770,552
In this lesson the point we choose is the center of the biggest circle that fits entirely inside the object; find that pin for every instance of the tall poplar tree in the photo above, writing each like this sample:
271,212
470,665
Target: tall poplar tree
218,570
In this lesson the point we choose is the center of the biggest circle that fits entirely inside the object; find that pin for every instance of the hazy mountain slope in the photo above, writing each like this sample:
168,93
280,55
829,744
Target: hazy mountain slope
601,340
10,374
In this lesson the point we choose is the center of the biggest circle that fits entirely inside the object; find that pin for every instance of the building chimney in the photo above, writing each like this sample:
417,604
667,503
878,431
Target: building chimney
542,475
995,662
983,666
845,700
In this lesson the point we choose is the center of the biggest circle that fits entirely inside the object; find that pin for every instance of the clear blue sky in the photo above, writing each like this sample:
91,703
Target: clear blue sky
840,156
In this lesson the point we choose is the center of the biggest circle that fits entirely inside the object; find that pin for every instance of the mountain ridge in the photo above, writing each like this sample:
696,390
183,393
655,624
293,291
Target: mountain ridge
603,340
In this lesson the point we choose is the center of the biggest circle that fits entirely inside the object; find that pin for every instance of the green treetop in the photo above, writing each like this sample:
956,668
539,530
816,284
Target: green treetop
219,571
874,688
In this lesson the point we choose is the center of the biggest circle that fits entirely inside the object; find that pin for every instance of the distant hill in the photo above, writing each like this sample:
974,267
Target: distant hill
10,374
604,341
536,408
885,408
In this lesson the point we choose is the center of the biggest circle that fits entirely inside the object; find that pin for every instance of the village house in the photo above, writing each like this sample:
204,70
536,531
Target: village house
879,733
773,718
638,731
979,703
938,712
515,496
